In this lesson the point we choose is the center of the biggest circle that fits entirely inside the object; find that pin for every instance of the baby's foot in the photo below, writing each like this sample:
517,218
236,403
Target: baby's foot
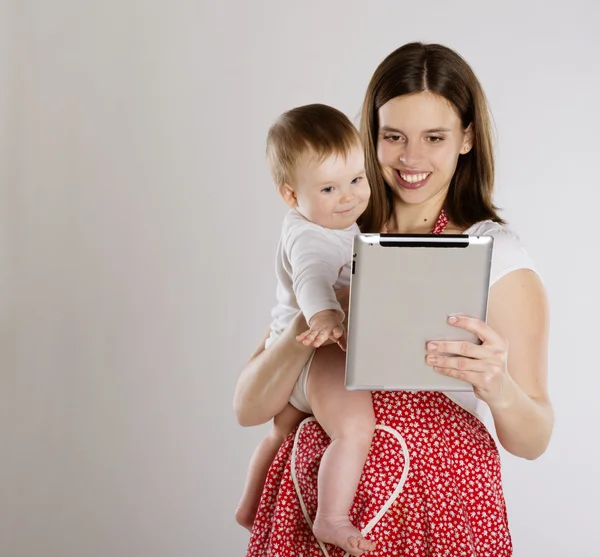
340,531
245,517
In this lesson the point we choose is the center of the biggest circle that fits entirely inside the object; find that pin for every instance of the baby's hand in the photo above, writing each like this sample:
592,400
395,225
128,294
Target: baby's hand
324,325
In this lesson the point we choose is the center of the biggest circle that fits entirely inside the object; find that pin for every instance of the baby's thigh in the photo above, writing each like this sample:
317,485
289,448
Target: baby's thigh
337,409
285,422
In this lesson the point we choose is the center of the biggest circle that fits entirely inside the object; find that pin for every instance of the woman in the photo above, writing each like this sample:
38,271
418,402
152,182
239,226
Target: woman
431,485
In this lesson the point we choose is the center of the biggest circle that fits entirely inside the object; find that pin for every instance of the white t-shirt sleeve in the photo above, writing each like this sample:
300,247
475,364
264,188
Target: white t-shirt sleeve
509,253
315,261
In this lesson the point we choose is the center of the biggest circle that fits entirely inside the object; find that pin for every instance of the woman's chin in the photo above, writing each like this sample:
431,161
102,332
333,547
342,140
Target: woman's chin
412,197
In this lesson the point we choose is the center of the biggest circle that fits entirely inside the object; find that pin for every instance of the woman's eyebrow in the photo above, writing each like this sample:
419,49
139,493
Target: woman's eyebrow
389,129
433,130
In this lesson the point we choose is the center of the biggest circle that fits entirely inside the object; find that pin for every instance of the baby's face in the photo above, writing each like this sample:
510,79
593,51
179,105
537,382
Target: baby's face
333,192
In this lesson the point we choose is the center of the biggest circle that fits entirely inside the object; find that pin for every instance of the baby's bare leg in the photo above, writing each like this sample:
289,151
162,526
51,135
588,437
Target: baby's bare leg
349,420
261,461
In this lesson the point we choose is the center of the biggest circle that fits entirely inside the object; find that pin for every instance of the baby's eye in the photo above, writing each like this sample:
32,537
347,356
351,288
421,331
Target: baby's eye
356,180
328,189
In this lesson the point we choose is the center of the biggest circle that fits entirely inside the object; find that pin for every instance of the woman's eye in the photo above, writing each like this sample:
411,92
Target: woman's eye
328,189
392,138
356,180
435,139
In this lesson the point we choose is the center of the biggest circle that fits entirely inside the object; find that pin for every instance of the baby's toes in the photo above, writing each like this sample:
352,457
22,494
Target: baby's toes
365,544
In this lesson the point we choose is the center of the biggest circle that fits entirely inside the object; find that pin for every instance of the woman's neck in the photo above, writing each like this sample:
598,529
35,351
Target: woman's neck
415,219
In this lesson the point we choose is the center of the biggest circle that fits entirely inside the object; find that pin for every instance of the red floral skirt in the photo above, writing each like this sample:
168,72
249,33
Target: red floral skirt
431,486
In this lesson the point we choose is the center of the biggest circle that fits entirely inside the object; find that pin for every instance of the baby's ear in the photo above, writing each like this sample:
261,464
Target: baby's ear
288,195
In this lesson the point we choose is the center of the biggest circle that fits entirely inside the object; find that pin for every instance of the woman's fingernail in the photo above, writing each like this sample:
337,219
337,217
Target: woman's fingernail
452,319
432,347
431,359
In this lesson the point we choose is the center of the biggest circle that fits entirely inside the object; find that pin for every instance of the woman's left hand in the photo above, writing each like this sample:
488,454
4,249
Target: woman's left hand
484,366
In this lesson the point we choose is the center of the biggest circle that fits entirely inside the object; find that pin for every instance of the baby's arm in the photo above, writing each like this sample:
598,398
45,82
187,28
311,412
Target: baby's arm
316,263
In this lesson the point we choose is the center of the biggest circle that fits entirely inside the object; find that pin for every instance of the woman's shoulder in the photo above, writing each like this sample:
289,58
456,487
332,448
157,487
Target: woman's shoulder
489,227
509,252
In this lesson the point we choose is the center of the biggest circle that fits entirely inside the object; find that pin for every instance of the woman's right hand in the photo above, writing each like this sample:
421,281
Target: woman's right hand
267,380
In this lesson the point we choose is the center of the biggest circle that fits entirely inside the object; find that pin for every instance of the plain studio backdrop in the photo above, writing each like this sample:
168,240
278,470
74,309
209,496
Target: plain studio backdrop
138,233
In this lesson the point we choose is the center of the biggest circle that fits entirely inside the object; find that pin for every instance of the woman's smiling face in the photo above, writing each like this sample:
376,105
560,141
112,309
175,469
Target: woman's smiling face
420,139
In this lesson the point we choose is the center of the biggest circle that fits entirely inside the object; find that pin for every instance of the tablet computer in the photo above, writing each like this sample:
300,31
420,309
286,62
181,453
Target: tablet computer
403,288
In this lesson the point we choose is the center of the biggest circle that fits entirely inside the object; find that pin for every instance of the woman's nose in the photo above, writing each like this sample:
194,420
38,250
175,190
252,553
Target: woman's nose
410,155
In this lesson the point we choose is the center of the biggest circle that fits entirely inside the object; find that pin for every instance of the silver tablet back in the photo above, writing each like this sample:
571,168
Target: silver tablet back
402,291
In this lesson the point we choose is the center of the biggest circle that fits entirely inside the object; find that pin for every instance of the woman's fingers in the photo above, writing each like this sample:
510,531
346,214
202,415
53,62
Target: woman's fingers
458,348
483,366
472,377
458,363
483,331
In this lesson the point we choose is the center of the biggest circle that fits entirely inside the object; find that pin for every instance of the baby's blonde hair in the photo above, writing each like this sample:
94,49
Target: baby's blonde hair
315,127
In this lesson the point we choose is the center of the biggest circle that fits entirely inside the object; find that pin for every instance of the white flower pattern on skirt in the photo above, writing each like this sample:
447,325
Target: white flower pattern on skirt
451,504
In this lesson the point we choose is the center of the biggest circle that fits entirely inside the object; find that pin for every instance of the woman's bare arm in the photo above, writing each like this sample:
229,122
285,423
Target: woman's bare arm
524,419
509,369
266,382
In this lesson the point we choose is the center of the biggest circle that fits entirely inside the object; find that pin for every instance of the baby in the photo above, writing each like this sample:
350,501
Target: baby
317,161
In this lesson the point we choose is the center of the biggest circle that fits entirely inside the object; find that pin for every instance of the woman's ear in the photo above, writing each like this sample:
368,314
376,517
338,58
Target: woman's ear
468,140
288,195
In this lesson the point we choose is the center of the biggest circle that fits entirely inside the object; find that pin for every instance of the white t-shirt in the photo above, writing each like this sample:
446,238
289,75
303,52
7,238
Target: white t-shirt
508,255
309,259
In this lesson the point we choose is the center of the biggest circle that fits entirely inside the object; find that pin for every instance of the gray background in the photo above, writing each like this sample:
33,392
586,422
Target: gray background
138,230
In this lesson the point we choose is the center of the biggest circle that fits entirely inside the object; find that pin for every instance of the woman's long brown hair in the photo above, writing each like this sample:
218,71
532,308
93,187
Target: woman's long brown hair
418,67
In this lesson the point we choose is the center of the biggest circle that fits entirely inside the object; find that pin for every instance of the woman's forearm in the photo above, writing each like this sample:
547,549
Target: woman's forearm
523,424
266,382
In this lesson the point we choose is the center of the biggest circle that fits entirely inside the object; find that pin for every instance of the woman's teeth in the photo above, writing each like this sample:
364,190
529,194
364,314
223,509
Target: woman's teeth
414,178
